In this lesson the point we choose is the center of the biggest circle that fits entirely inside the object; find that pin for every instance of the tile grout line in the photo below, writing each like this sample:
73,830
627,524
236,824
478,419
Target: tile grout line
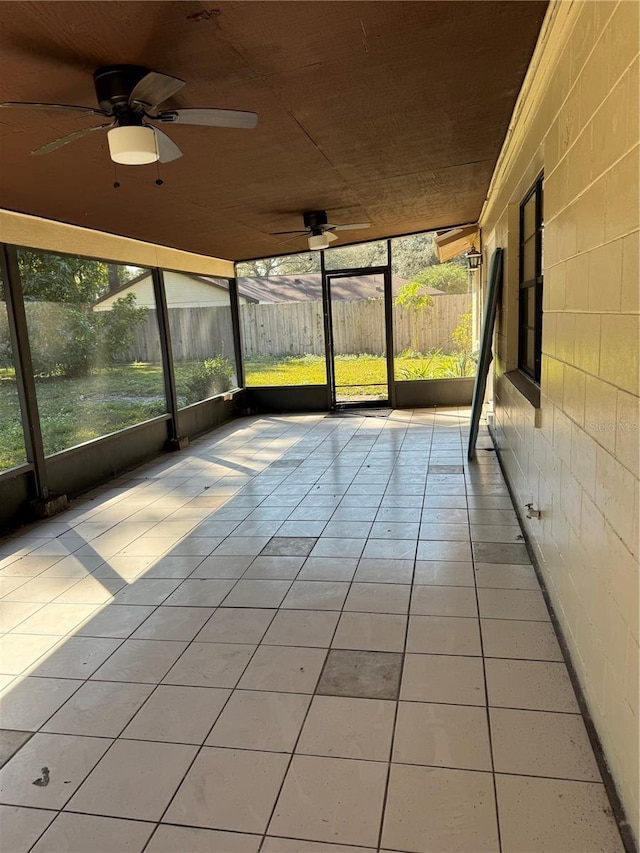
385,796
613,798
201,747
114,740
215,609
293,751
198,751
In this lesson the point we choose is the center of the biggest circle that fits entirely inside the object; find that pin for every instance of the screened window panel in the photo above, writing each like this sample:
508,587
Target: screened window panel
12,446
95,346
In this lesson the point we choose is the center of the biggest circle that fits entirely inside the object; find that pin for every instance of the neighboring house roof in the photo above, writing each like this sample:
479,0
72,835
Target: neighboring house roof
303,287
219,282
216,283
308,287
123,287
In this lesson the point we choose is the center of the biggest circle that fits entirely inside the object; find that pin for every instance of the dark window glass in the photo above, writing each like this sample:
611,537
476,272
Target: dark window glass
529,259
531,279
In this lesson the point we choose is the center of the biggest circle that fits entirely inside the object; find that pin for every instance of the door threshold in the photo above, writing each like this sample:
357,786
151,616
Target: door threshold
354,405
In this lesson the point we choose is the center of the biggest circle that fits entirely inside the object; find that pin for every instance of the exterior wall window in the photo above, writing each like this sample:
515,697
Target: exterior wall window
531,276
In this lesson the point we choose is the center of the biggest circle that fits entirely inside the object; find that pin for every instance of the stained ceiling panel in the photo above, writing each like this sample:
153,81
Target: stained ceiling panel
387,112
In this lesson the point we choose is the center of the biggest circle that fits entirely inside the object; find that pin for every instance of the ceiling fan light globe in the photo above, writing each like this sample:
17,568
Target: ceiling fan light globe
318,241
132,145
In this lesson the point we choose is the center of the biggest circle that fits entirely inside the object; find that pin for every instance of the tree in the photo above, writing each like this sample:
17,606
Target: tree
280,265
66,336
61,278
113,275
410,255
371,254
116,329
462,337
412,296
337,257
449,277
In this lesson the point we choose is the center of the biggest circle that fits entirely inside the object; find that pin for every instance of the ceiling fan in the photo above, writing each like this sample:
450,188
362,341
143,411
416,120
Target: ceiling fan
129,95
320,231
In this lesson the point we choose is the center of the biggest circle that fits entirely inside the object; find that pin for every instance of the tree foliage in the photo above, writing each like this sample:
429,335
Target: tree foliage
462,334
69,339
64,278
410,255
462,338
412,295
116,329
449,277
207,378
280,265
66,337
412,258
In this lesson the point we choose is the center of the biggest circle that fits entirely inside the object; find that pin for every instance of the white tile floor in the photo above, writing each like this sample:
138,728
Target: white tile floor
302,634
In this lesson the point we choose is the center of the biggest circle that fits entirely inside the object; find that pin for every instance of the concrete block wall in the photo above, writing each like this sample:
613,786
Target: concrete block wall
577,456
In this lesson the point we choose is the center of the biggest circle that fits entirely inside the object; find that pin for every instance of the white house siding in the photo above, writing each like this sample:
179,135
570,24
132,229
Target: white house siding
182,291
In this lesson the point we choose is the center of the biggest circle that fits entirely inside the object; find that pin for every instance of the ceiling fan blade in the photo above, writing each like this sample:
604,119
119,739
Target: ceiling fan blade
330,237
64,140
34,106
289,240
167,149
153,89
209,117
277,233
356,226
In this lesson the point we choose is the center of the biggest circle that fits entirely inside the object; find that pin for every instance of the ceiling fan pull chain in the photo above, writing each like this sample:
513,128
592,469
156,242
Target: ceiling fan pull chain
159,181
116,182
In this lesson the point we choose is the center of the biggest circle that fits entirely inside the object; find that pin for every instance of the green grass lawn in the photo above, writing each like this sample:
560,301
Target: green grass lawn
76,410
353,372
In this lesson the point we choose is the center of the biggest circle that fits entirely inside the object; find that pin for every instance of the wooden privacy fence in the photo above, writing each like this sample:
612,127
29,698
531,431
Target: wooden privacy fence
196,334
296,328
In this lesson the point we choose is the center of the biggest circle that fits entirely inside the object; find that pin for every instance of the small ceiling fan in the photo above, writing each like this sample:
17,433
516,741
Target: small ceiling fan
320,231
129,96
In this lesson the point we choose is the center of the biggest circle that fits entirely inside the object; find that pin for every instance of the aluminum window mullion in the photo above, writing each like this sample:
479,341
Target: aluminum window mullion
162,313
237,331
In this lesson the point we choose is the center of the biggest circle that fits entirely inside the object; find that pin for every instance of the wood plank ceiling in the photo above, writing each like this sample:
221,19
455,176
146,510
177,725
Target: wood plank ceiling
387,112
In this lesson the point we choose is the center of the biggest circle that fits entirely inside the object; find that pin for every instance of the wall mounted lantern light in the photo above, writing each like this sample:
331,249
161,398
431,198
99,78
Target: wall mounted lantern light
474,258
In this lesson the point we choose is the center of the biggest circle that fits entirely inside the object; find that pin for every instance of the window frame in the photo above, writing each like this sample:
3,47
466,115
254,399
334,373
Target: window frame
525,325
